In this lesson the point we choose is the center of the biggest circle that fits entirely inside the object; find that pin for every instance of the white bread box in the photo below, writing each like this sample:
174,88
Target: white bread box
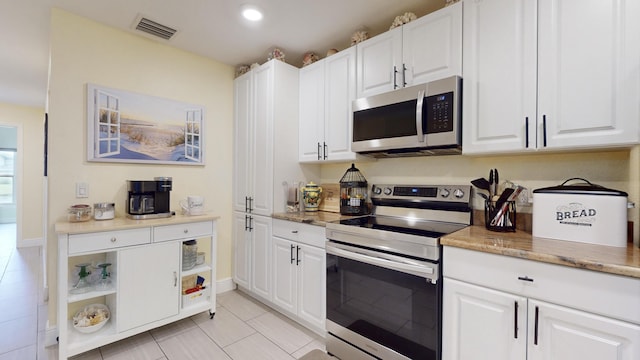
582,212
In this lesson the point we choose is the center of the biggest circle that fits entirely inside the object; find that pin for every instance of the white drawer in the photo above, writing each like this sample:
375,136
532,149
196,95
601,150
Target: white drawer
598,292
82,243
303,233
312,235
182,231
286,229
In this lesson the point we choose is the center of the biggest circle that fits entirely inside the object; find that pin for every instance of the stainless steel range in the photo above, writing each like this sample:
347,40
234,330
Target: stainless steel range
384,284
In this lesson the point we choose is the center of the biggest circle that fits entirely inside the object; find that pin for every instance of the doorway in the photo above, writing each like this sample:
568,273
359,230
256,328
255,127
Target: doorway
8,194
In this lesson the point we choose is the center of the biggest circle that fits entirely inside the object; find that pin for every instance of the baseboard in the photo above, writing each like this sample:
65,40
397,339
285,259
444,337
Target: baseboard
23,243
224,285
50,335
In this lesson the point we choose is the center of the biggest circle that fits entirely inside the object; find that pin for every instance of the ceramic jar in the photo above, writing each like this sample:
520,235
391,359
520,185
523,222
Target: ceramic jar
311,196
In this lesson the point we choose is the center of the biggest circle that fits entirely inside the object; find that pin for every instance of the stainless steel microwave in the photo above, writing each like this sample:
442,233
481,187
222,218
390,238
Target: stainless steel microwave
418,120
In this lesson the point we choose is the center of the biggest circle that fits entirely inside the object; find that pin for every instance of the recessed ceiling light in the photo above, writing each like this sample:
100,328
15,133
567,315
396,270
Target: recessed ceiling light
251,13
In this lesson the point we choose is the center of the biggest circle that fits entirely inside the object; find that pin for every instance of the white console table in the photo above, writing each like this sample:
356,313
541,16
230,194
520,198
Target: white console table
146,274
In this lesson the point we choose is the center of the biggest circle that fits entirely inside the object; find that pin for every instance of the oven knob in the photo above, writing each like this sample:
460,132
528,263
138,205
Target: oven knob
458,193
377,190
444,193
387,191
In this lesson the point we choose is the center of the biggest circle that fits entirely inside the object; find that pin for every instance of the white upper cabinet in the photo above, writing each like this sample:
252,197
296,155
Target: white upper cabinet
550,74
327,89
588,72
425,49
499,84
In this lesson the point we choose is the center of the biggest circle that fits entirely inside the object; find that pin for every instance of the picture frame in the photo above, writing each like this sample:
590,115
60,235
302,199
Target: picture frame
128,127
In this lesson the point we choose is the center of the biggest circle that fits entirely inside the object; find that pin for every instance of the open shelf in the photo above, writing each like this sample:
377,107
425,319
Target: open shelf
197,269
72,298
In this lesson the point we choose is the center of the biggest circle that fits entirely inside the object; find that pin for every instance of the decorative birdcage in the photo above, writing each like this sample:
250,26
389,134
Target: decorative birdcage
353,193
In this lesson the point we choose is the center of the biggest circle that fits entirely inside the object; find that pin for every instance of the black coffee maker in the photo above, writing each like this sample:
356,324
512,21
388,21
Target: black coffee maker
149,199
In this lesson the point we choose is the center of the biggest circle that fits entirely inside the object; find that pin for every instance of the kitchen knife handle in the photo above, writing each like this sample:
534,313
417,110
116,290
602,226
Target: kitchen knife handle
526,132
515,320
297,255
292,257
544,130
535,327
395,73
324,155
319,156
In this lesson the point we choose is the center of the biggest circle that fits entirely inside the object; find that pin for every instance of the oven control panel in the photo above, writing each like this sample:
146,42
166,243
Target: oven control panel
446,193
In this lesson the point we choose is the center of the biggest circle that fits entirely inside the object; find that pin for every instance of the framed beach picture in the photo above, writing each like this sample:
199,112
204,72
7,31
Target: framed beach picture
128,127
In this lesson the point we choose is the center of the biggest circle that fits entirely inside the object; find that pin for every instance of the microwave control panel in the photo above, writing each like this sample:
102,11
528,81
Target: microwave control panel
439,113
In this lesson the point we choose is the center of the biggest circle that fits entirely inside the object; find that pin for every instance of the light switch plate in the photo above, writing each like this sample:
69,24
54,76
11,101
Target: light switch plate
82,190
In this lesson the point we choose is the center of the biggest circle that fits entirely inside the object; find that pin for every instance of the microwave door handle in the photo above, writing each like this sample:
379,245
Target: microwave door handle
420,132
388,264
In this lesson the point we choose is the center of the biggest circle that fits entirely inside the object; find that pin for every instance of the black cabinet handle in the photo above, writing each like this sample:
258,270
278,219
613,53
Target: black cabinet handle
526,132
319,156
246,222
515,321
535,328
292,258
250,204
297,255
246,204
544,130
525,278
325,150
404,75
395,73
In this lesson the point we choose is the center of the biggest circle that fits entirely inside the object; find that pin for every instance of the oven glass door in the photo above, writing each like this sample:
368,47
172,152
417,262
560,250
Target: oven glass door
397,310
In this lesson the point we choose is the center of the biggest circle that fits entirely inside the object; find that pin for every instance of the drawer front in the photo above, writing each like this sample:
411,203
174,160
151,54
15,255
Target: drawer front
289,230
312,235
182,231
82,243
597,292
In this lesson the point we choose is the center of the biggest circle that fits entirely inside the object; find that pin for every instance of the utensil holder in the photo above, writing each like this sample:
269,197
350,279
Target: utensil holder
500,218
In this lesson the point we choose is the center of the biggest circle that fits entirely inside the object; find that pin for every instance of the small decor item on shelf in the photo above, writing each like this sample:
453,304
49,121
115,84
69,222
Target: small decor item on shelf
450,2
276,54
359,36
91,318
254,65
309,58
82,285
189,254
105,277
242,69
403,19
353,193
332,51
311,196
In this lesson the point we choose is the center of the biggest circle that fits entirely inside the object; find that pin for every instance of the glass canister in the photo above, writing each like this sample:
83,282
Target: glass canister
78,213
104,211
189,254
353,193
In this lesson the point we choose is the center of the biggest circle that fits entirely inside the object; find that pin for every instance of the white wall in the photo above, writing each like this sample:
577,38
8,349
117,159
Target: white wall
29,169
83,51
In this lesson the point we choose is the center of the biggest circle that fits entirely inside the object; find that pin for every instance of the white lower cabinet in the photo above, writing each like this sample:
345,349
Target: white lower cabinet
299,272
157,288
252,254
147,279
496,307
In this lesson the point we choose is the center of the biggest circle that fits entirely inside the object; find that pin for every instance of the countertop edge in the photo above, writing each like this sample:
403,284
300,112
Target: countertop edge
563,253
123,223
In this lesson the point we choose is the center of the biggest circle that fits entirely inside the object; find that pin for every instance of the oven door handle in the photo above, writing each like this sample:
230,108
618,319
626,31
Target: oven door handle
356,255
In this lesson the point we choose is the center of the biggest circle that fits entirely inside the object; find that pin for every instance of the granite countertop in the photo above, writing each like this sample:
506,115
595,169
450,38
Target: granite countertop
123,223
319,218
620,261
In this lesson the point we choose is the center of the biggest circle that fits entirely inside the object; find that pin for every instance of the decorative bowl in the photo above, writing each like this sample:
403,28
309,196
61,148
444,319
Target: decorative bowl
91,318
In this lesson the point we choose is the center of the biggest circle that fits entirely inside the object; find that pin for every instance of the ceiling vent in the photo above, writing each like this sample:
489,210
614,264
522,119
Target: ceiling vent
153,28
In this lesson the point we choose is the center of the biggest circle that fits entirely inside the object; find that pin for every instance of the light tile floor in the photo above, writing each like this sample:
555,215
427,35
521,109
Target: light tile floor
241,329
